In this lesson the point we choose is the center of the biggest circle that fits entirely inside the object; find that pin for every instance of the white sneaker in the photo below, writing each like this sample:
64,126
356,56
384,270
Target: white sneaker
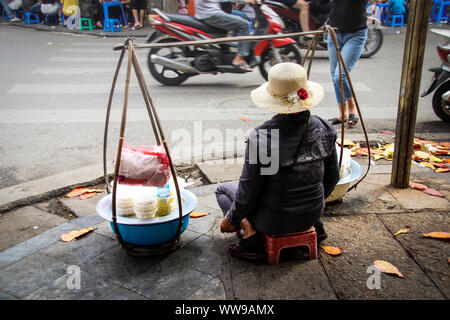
15,19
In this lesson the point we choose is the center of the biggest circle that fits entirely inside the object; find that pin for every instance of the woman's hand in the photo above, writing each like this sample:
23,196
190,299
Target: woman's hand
225,226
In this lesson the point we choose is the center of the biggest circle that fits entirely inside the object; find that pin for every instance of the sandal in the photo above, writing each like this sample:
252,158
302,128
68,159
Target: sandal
249,248
243,66
352,120
335,121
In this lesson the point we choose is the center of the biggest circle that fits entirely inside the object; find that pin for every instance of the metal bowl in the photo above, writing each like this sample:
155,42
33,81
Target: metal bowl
150,231
344,183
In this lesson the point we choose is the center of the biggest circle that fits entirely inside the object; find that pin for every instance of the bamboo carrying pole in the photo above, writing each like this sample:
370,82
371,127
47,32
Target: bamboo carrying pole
141,251
416,34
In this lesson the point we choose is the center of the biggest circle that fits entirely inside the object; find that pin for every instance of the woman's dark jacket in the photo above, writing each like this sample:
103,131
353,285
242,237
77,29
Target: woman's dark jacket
293,198
348,15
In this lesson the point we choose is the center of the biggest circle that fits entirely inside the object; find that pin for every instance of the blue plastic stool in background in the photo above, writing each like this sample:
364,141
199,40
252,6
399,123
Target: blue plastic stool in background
111,25
394,19
107,5
442,13
51,19
31,18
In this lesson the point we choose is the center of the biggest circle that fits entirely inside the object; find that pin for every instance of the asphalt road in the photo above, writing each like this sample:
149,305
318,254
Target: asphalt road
54,90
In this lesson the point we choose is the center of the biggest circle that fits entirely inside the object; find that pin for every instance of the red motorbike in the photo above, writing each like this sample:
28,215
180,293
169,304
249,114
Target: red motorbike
172,66
318,15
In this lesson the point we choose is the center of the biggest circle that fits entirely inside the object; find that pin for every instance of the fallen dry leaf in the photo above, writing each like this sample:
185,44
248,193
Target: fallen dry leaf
195,214
435,159
347,142
421,155
78,191
417,186
243,119
437,235
429,165
332,251
75,234
442,170
83,192
439,165
404,230
386,131
87,195
433,192
387,267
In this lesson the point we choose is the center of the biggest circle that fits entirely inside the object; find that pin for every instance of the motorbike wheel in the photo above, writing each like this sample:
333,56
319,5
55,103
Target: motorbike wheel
440,107
373,43
163,74
289,53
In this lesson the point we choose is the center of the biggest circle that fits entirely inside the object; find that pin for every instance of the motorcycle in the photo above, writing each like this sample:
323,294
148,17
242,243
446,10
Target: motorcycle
318,15
440,82
172,66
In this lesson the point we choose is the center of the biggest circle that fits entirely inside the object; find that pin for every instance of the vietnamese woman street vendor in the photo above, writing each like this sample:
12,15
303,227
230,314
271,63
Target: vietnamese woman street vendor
288,194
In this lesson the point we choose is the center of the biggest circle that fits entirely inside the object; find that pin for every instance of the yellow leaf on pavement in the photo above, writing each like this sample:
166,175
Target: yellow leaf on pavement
437,235
332,251
435,159
404,230
78,191
387,267
378,157
442,170
195,214
87,195
421,155
75,234
429,165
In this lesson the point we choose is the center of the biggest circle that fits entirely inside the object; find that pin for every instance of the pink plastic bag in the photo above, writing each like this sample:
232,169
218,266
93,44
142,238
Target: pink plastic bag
144,165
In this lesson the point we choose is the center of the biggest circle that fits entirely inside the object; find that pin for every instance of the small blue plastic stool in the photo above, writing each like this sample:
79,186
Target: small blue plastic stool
394,19
111,25
31,18
51,19
442,13
107,5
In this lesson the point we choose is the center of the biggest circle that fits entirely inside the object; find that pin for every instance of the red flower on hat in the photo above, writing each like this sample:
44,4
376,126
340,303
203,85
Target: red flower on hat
303,94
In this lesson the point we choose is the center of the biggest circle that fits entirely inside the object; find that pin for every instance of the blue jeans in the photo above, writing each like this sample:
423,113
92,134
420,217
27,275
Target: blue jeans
239,26
351,45
8,9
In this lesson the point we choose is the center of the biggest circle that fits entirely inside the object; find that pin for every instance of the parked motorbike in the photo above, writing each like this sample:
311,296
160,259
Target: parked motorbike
440,82
318,15
172,66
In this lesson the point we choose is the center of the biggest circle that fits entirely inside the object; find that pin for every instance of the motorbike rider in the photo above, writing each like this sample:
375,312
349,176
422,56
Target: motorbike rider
211,13
303,14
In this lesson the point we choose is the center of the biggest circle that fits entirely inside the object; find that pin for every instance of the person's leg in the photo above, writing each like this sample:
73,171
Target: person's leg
9,12
352,48
239,26
334,70
141,17
303,15
135,16
225,195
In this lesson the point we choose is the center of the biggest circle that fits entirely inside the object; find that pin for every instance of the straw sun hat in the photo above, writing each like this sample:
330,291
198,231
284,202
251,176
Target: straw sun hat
288,90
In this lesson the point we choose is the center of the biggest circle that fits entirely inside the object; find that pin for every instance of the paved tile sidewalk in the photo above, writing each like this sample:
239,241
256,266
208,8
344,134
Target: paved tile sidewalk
363,225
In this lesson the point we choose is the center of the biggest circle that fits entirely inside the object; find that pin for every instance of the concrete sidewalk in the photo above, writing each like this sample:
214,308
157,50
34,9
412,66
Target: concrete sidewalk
126,32
34,262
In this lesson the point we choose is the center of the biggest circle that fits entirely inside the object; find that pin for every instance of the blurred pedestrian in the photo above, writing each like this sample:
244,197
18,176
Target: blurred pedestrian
350,18
9,13
138,8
